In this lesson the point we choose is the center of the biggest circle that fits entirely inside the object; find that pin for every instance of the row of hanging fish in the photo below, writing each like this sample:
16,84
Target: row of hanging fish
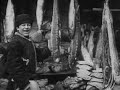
10,17
87,42
86,48
106,51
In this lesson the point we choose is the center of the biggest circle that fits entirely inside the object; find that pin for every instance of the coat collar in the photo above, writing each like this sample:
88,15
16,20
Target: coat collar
17,33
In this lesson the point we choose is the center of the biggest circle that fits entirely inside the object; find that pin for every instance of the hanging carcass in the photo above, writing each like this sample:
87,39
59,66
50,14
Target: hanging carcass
9,21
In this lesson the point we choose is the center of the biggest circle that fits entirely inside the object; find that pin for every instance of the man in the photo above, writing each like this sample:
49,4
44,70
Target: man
21,57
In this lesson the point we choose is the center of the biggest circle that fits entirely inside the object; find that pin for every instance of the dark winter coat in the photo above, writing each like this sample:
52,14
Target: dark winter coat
3,52
21,60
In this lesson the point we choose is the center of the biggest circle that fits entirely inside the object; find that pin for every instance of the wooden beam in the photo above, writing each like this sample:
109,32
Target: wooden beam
100,9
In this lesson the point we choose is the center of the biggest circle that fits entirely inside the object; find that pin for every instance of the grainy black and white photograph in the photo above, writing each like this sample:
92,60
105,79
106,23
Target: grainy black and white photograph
59,44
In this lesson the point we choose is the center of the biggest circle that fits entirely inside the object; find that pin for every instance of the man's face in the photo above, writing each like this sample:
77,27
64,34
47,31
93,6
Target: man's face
24,29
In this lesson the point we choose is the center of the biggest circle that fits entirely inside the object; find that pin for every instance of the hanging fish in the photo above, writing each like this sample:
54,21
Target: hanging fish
113,50
71,18
113,59
39,13
98,54
55,31
9,21
91,44
75,46
99,47
106,53
37,36
86,55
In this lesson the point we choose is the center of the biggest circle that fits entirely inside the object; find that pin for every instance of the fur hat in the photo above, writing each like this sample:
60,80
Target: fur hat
23,18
